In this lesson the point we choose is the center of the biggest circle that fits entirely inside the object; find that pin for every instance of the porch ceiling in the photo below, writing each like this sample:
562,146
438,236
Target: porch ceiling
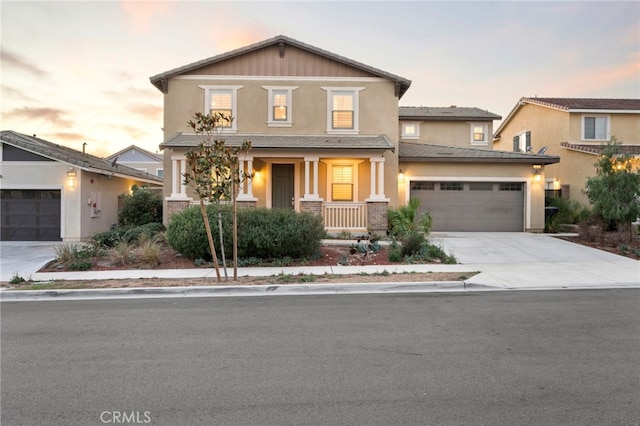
297,142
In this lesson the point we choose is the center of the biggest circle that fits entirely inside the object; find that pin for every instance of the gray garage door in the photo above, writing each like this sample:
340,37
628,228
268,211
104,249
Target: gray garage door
30,215
472,206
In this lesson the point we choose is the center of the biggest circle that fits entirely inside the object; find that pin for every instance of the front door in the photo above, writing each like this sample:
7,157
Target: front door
282,186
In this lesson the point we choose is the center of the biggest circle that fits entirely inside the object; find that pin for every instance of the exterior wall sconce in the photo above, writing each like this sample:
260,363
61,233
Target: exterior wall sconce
536,172
400,175
71,178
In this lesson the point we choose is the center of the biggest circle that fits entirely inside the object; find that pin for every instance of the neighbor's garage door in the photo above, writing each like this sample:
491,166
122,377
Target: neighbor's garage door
472,206
30,215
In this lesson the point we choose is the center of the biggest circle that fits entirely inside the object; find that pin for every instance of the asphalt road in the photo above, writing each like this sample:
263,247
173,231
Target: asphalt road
491,358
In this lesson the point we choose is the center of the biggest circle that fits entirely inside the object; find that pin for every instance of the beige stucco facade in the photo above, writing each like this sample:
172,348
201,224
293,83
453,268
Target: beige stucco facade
552,126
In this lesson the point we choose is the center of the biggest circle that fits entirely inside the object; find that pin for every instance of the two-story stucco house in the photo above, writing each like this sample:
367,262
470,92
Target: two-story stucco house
329,137
573,129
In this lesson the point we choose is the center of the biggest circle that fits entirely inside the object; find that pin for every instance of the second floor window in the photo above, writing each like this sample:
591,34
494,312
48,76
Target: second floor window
410,130
342,109
222,103
280,106
522,142
595,127
223,100
479,132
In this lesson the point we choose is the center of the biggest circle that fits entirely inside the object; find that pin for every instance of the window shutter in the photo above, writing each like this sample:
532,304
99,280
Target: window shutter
516,144
528,141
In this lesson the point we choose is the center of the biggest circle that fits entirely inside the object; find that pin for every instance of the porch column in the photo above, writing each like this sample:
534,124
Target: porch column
306,177
249,181
308,163
241,184
246,167
377,178
178,170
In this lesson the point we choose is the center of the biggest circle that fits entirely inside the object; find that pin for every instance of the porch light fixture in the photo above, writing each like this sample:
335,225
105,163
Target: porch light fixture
71,177
536,172
400,175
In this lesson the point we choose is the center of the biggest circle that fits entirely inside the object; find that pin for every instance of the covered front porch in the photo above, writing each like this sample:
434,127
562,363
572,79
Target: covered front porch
341,178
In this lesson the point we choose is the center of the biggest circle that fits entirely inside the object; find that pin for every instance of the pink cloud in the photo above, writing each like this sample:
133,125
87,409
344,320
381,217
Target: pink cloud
52,115
15,60
602,78
143,14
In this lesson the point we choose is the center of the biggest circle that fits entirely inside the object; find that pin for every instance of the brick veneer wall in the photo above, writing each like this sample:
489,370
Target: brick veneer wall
175,206
377,217
314,207
246,204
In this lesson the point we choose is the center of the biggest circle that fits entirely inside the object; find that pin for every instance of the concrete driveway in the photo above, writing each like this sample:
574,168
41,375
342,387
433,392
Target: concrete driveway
523,260
25,257
505,260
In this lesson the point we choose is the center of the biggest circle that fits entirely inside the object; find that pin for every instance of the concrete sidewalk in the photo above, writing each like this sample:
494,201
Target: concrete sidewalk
504,260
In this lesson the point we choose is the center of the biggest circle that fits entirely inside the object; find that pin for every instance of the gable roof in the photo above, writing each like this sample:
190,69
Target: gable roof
297,142
70,156
440,153
150,154
160,80
446,113
601,105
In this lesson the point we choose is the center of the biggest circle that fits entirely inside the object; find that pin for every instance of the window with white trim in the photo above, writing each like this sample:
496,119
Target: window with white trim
595,127
479,133
342,182
522,142
223,100
343,109
280,106
410,130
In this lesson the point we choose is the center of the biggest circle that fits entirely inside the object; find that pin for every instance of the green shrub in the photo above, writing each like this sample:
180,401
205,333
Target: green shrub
262,233
569,212
133,235
110,238
80,265
412,243
141,207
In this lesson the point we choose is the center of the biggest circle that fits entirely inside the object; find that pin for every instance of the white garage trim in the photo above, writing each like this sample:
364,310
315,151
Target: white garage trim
525,181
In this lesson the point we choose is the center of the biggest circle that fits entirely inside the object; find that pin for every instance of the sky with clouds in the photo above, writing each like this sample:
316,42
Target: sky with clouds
74,72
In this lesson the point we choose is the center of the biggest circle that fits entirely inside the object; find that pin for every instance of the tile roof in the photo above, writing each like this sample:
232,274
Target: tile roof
441,153
449,113
569,104
596,149
71,156
297,142
159,80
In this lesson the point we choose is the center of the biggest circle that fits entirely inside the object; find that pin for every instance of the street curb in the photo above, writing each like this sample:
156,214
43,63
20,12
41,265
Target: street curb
235,291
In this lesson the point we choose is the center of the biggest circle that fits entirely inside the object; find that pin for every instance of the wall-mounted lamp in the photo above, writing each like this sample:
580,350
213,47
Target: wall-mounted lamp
537,176
71,178
256,174
400,175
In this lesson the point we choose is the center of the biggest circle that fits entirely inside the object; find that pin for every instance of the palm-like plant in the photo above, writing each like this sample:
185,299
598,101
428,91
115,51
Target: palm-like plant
405,220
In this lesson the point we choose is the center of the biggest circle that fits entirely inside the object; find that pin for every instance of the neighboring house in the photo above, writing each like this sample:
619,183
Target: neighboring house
326,136
139,159
573,129
50,192
448,162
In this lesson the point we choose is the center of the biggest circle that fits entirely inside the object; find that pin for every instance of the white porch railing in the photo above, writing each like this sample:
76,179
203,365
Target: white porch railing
344,216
